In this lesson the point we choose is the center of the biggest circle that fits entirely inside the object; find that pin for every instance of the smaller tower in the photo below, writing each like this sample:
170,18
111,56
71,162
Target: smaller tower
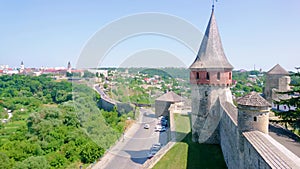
277,78
253,113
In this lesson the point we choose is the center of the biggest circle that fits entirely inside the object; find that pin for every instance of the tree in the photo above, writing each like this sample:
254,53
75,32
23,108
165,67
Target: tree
4,161
38,162
91,152
88,74
56,160
292,116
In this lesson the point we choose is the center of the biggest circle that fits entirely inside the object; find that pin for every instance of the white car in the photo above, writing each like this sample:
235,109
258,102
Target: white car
161,118
156,147
160,128
146,126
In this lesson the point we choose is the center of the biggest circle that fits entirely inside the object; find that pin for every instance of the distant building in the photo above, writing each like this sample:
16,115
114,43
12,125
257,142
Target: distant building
99,71
277,80
163,103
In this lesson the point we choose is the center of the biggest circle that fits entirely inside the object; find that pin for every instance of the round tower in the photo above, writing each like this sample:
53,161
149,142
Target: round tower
253,113
210,79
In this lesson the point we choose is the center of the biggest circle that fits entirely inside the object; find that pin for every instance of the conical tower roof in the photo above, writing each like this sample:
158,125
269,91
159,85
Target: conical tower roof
277,70
253,99
170,97
211,54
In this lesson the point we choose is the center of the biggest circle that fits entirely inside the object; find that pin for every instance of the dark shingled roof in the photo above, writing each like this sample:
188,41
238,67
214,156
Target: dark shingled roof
253,99
277,70
170,97
211,54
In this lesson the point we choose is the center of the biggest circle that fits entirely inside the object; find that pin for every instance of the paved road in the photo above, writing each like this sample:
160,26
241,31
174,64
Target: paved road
286,138
131,152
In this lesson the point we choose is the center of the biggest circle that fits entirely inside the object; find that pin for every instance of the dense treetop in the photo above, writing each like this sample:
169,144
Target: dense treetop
55,124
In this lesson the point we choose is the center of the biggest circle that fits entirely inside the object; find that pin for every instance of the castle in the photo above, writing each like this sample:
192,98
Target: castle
241,131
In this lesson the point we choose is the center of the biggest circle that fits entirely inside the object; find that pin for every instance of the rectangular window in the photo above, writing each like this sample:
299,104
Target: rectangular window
219,76
197,75
229,75
207,76
255,118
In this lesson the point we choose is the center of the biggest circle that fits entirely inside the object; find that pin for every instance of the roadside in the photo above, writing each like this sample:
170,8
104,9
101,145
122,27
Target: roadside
110,153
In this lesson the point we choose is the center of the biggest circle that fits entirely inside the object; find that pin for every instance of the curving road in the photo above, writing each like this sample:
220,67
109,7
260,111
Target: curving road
131,151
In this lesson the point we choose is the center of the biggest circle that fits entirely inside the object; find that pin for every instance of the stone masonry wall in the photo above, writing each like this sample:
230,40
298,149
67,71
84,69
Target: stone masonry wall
106,105
229,141
252,158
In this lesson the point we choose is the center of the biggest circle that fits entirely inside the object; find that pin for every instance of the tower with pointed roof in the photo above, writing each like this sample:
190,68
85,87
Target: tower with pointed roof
242,131
277,79
210,79
22,67
69,67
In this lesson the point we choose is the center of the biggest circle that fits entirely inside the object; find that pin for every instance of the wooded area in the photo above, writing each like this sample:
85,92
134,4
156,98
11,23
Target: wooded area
54,124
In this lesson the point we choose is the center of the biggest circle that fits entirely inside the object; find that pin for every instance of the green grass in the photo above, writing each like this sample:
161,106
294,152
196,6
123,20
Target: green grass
188,154
176,158
182,126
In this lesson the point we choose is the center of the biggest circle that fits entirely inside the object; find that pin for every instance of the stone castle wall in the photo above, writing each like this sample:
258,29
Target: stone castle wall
238,152
252,149
229,137
106,105
251,158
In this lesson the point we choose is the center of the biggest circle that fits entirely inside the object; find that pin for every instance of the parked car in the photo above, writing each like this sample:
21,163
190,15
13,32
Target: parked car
160,128
161,117
164,122
146,126
156,146
157,127
151,153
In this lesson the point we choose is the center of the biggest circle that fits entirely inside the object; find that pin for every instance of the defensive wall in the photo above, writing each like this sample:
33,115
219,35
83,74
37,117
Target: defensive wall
108,104
250,149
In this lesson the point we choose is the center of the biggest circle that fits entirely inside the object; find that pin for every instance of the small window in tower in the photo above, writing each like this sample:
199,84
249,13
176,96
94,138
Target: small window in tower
219,76
207,76
197,75
229,75
206,93
255,118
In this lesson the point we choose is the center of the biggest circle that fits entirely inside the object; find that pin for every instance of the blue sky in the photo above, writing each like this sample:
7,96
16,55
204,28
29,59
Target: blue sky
51,33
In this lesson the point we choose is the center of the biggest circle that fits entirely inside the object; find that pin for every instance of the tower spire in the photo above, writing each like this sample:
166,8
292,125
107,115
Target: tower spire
211,54
213,4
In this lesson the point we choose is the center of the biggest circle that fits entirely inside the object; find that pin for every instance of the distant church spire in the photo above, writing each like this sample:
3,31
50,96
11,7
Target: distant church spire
69,65
22,66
